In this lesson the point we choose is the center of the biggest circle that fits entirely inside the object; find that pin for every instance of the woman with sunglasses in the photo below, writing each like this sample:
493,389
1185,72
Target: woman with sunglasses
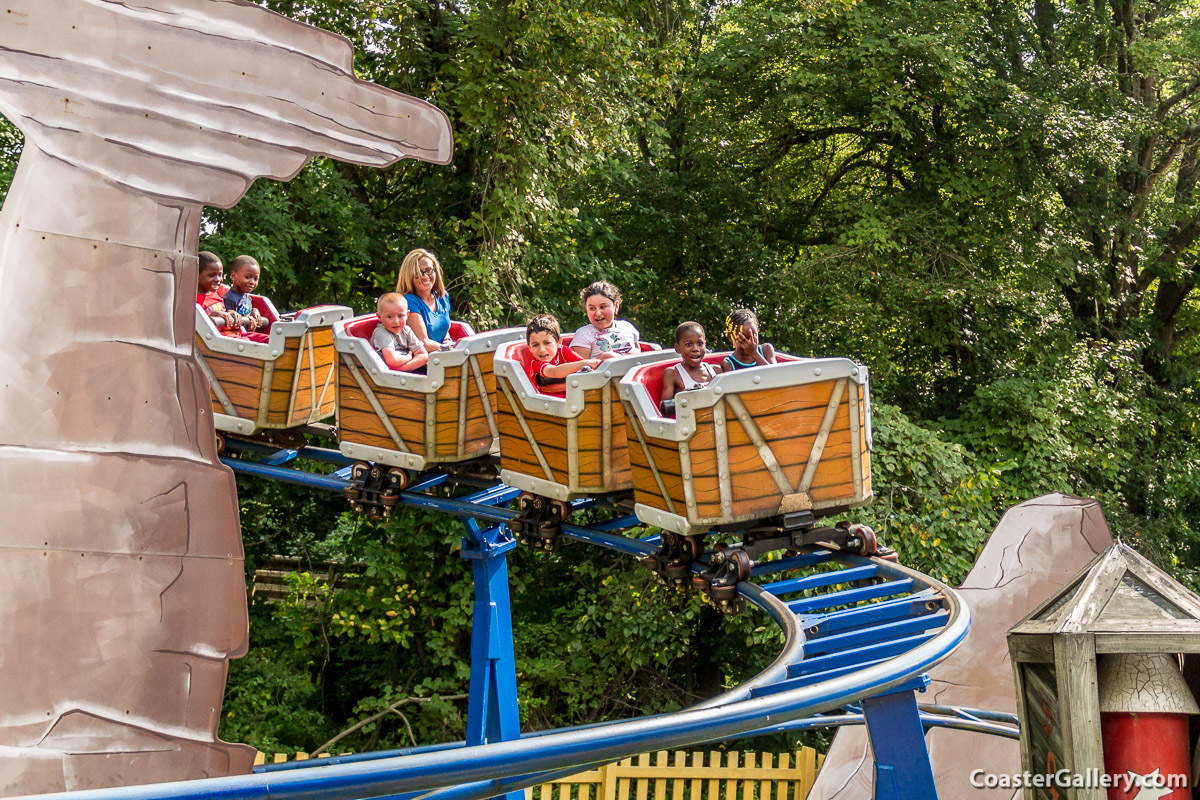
420,282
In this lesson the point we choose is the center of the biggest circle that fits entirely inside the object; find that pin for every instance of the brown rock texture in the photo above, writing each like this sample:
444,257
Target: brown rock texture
120,551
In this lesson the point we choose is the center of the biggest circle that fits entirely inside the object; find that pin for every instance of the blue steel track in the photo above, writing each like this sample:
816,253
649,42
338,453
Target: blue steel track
858,633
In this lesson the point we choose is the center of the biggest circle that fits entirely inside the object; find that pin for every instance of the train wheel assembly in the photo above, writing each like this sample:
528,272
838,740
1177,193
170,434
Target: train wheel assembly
539,521
374,489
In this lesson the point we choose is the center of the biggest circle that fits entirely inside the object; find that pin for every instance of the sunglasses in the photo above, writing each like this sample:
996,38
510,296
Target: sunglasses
429,271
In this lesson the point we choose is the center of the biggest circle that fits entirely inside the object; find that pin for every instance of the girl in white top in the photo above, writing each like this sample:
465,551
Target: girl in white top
693,372
604,336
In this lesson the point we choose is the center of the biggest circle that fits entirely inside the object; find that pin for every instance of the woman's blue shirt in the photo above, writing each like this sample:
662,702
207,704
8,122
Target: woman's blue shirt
437,319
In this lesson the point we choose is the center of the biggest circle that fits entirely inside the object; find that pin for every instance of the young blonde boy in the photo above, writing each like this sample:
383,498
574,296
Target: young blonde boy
397,344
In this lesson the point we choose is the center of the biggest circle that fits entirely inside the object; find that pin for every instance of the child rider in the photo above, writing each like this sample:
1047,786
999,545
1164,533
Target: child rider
208,291
693,372
741,326
604,336
552,363
243,279
397,344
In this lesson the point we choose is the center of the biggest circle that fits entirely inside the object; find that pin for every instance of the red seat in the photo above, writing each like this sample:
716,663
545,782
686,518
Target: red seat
651,375
362,327
520,351
266,308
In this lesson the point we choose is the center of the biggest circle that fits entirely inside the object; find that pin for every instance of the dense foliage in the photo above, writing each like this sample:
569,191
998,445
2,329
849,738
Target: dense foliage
990,203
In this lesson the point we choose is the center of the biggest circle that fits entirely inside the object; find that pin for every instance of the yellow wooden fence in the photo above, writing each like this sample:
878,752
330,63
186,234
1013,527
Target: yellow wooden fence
682,776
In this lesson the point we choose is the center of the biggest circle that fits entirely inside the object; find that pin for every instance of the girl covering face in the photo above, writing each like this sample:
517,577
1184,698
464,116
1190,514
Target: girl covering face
741,328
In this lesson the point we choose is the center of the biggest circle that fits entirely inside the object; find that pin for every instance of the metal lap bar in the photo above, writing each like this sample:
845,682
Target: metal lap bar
884,611
822,580
851,596
876,633
792,562
872,652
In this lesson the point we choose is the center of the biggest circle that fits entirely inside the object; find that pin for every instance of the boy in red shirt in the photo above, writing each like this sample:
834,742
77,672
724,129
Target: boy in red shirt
551,363
208,291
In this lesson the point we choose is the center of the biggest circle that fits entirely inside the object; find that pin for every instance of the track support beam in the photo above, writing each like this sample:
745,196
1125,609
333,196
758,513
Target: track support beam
902,768
492,711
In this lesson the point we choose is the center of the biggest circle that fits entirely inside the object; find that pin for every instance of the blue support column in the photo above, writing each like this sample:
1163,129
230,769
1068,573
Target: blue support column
902,768
492,711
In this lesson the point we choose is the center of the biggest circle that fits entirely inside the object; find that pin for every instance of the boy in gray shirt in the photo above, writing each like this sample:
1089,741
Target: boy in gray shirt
397,344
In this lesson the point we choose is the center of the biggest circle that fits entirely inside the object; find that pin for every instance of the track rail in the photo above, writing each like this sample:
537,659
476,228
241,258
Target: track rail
853,627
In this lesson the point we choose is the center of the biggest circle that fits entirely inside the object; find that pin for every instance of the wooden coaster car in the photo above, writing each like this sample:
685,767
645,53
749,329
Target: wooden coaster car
752,445
285,382
412,420
564,447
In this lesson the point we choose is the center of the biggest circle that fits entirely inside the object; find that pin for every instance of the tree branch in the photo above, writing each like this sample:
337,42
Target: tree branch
411,736
392,709
1176,98
856,161
805,136
1178,240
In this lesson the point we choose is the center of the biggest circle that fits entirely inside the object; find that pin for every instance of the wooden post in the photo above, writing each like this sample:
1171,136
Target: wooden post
660,784
680,764
610,781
